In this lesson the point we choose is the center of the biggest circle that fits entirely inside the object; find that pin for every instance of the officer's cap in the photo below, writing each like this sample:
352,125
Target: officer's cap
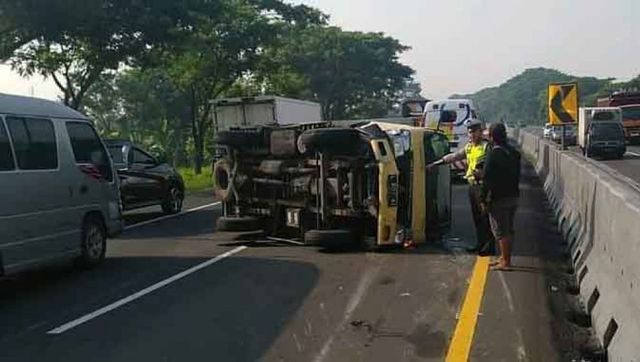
474,124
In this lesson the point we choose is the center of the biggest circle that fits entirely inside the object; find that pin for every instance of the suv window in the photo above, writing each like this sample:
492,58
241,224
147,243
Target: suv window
117,154
142,158
6,157
34,142
87,147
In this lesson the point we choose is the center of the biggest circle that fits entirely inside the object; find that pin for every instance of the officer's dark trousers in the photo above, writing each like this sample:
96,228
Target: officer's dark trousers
484,236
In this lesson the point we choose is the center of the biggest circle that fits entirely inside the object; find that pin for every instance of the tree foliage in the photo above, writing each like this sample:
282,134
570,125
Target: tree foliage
148,70
352,74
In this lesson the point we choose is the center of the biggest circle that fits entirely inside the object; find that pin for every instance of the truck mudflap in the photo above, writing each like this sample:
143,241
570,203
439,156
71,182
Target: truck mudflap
388,174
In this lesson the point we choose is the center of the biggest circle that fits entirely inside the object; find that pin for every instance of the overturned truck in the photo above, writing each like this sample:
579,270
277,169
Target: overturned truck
327,185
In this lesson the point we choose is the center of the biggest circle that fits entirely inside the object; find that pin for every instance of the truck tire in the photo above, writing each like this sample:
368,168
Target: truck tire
331,140
334,238
240,223
222,179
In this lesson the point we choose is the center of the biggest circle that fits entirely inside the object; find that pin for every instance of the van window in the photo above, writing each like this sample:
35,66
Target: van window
87,147
6,158
34,142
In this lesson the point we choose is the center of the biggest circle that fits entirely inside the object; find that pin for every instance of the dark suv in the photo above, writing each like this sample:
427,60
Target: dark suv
144,179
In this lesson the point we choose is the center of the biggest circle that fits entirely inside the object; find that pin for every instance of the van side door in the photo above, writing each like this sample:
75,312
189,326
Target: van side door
35,195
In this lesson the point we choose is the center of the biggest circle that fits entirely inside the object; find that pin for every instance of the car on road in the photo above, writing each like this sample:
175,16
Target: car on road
570,134
332,186
601,132
145,180
58,190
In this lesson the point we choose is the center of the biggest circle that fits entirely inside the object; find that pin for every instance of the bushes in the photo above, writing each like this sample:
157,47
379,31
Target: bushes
193,182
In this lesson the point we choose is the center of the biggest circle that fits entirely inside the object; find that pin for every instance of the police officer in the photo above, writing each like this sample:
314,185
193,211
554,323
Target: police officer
474,152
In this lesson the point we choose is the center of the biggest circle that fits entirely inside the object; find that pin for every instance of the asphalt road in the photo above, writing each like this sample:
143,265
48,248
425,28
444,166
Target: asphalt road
176,290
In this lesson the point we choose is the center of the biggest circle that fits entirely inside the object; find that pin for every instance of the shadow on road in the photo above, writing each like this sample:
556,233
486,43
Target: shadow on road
233,310
182,226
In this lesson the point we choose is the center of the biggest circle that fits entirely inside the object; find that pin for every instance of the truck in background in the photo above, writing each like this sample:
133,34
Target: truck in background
263,110
629,102
600,131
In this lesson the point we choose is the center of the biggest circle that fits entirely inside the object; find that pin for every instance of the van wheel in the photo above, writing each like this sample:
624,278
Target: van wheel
238,224
173,201
330,239
94,242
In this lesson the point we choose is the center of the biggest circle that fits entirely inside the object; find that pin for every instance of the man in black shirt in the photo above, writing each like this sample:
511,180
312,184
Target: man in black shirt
500,194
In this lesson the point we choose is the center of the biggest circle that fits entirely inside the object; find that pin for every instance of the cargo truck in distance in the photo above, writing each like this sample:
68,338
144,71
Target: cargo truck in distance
322,184
629,102
600,132
262,110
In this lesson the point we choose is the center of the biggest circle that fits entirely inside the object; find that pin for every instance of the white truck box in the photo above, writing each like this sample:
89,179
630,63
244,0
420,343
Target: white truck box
262,110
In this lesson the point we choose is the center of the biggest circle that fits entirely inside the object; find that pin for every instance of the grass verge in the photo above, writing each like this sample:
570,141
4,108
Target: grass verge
193,182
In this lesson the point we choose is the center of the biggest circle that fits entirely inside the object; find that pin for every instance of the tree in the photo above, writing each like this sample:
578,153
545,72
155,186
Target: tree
352,74
74,42
221,48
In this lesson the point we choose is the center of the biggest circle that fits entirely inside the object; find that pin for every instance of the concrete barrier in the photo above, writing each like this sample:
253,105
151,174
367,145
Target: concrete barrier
599,216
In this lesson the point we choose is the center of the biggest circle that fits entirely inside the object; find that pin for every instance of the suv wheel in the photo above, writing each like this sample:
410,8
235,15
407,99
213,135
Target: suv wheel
173,201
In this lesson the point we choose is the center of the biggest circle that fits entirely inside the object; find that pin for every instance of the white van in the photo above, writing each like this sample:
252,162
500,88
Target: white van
59,193
455,130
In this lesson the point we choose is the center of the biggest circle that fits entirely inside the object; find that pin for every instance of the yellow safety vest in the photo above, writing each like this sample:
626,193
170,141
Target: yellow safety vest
475,154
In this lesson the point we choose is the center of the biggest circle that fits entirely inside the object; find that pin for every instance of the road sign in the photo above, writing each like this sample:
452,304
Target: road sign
563,103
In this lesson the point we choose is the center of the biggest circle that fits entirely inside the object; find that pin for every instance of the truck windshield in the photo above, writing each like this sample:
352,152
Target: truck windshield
606,131
631,113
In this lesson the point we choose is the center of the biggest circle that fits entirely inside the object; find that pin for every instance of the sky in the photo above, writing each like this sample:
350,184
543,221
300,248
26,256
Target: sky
462,46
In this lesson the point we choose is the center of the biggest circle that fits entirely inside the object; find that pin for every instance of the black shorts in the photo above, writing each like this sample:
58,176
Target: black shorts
501,216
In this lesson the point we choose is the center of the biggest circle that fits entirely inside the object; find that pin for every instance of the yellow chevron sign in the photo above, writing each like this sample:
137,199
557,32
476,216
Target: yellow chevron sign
563,103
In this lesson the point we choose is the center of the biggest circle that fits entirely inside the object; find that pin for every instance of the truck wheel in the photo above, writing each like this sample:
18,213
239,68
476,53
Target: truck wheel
240,223
329,238
222,180
331,140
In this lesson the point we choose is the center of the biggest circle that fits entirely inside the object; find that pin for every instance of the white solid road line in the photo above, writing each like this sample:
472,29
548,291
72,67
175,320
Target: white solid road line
172,216
87,317
633,154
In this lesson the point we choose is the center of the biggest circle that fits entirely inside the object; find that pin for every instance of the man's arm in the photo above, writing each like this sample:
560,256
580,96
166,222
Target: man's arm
452,157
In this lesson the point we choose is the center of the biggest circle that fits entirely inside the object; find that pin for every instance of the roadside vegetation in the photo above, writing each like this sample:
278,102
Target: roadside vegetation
147,70
196,182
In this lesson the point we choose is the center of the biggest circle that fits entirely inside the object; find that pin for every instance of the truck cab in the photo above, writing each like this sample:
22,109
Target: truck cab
629,102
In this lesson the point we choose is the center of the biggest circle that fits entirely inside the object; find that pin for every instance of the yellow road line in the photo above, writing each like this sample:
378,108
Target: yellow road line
463,335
